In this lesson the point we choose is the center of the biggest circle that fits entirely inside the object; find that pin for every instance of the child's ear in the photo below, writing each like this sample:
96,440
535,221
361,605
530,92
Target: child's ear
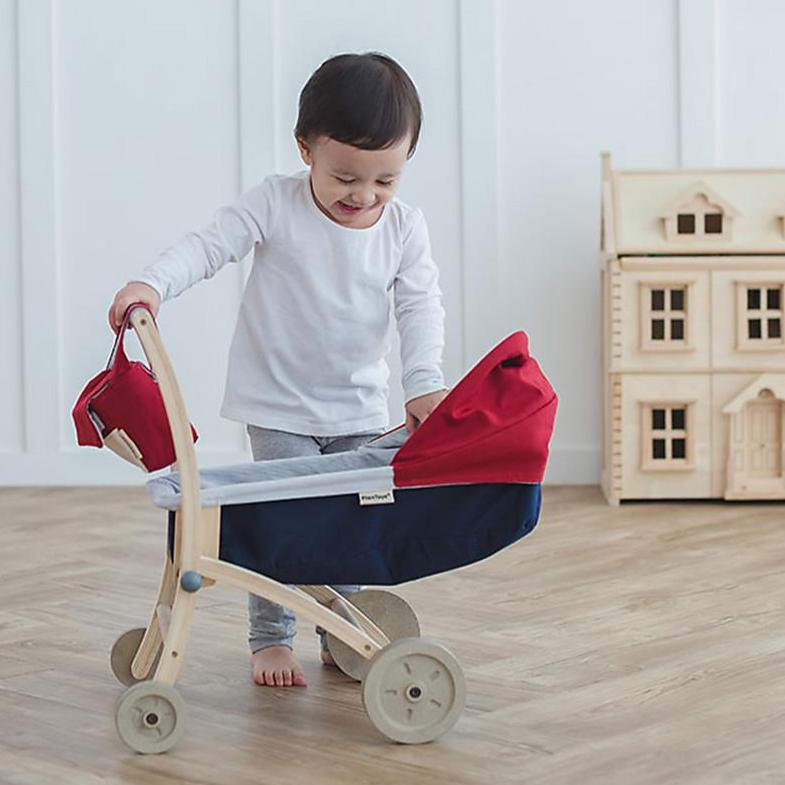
305,151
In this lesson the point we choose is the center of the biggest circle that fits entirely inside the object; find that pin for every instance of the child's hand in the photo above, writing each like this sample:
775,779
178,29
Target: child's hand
419,408
136,292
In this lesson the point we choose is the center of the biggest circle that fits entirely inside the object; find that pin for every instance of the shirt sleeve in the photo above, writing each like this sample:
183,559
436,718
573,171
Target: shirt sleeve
230,236
419,313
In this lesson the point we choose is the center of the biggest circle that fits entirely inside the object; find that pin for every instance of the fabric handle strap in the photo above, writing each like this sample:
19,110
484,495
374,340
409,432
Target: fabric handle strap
118,350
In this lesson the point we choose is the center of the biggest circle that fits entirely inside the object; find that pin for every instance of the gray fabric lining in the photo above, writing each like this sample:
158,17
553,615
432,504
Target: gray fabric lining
247,482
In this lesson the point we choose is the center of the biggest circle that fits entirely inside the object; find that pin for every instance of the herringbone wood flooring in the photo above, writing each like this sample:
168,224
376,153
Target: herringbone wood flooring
639,645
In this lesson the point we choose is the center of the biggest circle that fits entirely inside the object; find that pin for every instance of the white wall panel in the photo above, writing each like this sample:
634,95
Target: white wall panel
308,33
11,411
147,148
750,67
123,125
38,229
576,79
697,63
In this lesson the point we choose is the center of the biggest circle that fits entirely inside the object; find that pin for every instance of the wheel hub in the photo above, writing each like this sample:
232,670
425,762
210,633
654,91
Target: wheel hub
414,690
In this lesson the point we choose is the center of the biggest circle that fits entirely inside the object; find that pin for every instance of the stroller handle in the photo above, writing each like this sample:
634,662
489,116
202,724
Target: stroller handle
180,427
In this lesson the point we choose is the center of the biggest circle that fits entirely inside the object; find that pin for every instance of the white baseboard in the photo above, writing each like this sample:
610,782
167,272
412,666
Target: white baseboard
574,465
569,465
88,467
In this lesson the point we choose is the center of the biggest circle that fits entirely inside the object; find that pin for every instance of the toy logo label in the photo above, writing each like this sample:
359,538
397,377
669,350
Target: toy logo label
377,497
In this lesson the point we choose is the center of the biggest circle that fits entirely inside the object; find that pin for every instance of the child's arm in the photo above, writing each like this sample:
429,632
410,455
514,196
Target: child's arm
229,238
420,318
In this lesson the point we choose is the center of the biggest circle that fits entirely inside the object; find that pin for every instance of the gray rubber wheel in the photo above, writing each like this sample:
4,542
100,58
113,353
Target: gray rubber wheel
123,653
391,613
150,717
414,690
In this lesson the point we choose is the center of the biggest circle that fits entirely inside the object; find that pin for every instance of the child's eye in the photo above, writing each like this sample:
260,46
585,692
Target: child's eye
385,182
344,180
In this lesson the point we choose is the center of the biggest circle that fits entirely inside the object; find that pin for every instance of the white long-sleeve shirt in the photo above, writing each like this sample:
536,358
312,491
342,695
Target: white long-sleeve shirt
314,323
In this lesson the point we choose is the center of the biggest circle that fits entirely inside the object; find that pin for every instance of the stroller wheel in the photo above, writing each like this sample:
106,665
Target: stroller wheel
414,690
391,613
150,717
123,653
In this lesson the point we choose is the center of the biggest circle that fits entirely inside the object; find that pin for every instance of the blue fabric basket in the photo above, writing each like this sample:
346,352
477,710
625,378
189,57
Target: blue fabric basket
333,540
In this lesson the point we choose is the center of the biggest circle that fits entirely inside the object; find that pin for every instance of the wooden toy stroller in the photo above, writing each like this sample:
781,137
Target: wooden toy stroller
463,486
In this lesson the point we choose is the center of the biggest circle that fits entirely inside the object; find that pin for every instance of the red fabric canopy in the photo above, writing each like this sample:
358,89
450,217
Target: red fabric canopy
494,426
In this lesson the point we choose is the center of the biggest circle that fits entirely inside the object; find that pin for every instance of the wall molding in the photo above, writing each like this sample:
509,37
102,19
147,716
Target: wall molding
42,402
576,464
569,465
80,466
697,82
257,54
48,455
478,96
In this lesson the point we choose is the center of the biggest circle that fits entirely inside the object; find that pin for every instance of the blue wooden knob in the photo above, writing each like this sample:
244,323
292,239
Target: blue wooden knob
191,581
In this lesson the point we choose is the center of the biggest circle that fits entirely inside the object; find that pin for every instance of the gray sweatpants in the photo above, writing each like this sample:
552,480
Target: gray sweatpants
271,624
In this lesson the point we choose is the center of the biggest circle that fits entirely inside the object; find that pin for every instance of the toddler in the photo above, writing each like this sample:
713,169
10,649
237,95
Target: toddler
332,249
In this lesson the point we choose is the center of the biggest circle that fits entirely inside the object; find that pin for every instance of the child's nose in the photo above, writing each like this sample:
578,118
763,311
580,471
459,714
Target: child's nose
365,197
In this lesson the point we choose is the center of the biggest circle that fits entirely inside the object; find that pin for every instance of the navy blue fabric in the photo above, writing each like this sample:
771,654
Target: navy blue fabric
333,539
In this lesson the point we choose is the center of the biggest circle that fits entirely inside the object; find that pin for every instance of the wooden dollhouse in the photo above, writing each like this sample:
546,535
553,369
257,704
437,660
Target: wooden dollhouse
693,303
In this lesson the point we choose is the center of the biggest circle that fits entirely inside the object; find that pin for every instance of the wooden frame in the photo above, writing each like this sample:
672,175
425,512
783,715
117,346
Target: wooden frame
669,432
197,538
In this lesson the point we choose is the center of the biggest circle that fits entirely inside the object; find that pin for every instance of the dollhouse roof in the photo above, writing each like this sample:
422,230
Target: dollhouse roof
767,381
699,187
636,202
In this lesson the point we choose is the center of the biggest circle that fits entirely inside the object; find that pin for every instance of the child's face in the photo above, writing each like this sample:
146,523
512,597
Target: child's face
351,186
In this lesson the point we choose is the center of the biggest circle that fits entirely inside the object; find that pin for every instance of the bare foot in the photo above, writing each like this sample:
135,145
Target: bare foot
327,658
276,666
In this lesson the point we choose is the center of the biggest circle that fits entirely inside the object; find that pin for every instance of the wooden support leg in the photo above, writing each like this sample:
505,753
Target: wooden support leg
153,637
176,636
326,595
302,603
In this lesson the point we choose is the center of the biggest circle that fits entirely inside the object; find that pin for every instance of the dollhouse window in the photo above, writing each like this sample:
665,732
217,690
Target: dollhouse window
664,317
666,436
760,316
699,214
686,223
712,223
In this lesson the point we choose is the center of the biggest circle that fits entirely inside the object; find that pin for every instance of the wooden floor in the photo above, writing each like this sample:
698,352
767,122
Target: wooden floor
636,645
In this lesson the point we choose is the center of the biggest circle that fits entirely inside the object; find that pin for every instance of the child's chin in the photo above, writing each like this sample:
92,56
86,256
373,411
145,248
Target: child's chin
345,218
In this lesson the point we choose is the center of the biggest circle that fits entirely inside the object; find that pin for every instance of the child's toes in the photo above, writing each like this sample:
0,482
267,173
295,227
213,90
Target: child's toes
298,678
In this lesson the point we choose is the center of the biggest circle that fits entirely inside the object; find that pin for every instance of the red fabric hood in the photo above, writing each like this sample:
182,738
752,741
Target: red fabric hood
494,425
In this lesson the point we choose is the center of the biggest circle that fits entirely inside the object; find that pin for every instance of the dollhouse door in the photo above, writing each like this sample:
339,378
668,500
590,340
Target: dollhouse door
763,448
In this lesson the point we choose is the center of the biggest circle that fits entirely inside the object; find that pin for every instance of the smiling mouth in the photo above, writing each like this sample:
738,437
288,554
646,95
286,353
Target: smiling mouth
349,209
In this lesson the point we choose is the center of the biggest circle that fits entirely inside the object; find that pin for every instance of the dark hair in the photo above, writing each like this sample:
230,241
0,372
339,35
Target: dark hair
365,100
